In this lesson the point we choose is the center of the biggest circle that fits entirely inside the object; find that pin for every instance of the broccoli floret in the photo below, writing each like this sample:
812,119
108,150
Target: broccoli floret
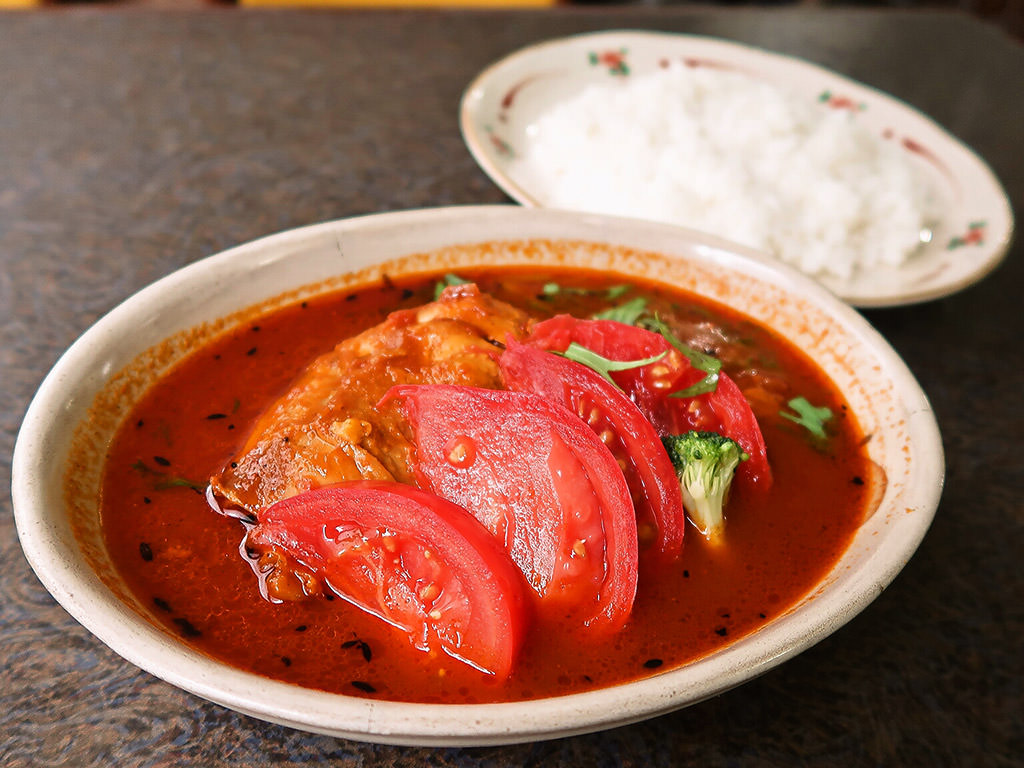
705,463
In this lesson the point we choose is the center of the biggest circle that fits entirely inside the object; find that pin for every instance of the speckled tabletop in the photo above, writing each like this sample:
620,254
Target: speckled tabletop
132,143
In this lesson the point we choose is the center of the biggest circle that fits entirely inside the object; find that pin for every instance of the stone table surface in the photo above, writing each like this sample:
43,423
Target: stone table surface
134,142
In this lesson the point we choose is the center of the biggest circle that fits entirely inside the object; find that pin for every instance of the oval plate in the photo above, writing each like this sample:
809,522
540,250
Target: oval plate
60,451
973,236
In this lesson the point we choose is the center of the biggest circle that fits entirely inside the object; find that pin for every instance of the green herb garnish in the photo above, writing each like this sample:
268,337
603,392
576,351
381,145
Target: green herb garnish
627,313
163,481
811,417
179,482
602,365
711,366
612,292
551,289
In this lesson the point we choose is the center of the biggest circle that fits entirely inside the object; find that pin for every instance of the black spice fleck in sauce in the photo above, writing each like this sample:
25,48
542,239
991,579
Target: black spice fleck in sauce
363,686
363,647
162,604
146,551
187,628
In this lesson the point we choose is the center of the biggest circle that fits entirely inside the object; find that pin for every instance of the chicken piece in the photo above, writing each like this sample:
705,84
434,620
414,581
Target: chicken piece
327,428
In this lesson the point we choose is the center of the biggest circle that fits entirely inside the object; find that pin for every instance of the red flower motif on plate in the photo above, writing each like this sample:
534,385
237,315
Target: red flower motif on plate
834,101
502,147
614,60
975,235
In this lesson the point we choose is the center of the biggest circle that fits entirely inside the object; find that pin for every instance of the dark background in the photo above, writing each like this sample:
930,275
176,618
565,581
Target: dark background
1008,14
133,142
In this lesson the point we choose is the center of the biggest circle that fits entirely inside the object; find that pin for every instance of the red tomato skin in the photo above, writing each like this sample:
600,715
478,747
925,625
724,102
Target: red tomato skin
738,422
534,462
725,410
648,470
457,543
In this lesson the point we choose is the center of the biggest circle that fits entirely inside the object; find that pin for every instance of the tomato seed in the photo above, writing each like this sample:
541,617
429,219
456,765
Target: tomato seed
461,451
429,593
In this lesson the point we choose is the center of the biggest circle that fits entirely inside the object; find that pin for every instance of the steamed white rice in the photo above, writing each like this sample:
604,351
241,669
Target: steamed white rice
724,153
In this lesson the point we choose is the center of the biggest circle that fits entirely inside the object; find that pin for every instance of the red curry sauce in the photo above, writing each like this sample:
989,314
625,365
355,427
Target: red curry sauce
183,560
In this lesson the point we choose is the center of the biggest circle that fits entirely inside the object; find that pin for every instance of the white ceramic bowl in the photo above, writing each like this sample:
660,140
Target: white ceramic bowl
500,109
59,455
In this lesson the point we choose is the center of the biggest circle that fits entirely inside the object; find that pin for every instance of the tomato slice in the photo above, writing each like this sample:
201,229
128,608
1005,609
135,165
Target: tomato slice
725,410
619,423
542,482
417,561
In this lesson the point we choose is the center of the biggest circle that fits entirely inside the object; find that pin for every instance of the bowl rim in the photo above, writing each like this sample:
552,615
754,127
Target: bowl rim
82,594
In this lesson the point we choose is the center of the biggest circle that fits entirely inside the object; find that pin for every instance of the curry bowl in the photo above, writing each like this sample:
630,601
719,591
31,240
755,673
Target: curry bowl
69,427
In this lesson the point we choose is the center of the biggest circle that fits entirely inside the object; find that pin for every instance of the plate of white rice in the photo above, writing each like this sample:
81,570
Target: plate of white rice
837,179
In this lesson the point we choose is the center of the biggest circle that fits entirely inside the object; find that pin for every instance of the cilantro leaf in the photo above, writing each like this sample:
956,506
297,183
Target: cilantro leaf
711,366
627,313
612,292
551,289
162,480
811,417
602,365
